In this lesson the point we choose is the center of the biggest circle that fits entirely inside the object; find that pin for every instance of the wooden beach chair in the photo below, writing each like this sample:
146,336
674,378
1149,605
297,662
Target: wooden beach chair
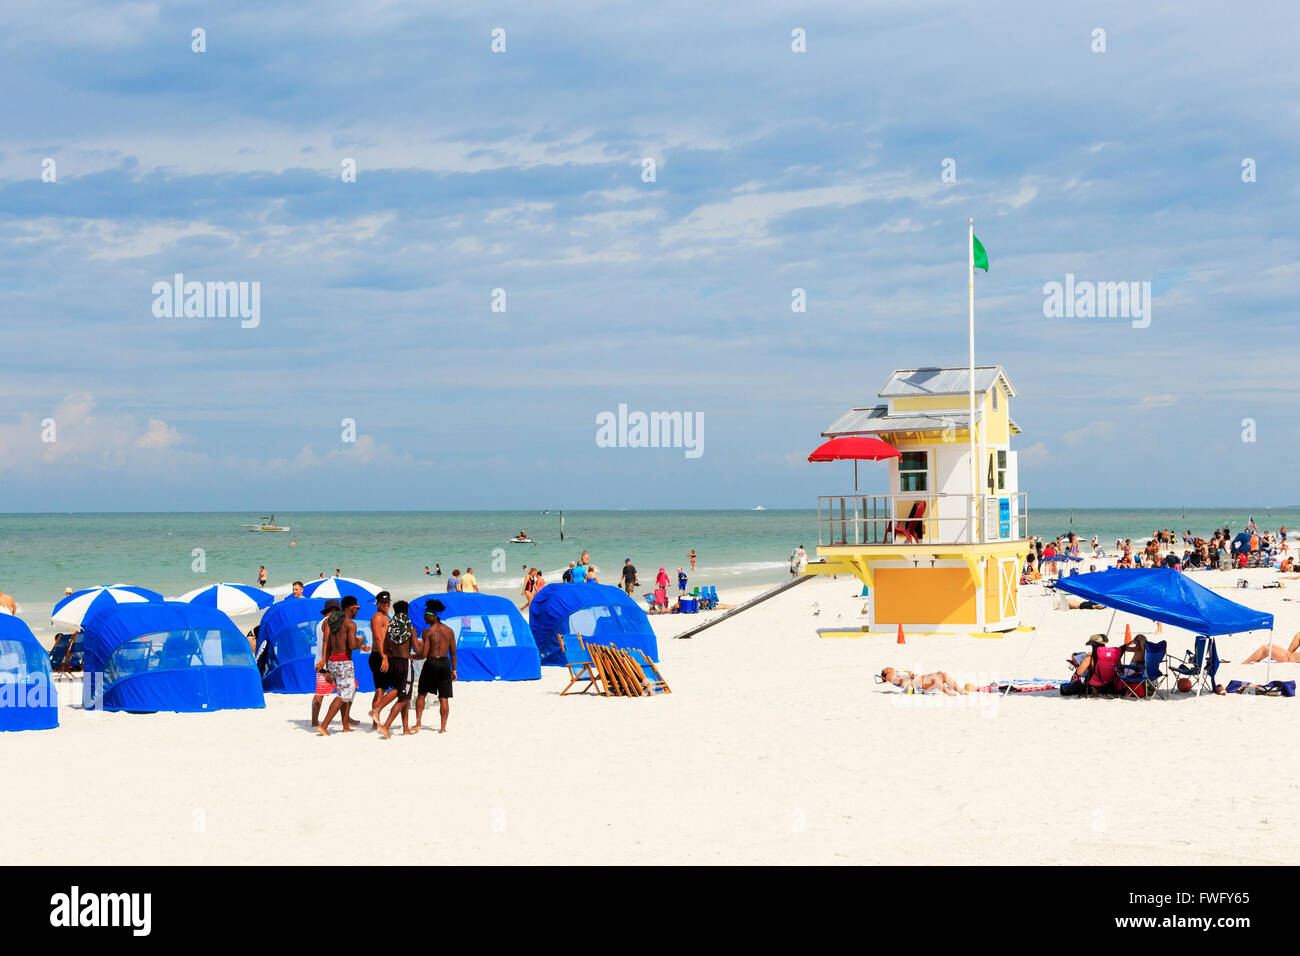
581,664
618,679
654,681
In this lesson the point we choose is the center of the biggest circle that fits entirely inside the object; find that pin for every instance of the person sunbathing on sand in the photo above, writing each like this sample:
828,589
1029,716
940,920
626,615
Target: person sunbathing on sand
1289,655
937,680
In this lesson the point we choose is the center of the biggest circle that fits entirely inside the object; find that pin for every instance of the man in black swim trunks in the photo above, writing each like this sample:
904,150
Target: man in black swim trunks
378,662
400,642
437,646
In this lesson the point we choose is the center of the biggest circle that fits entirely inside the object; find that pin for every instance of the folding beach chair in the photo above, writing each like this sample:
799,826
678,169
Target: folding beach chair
581,665
911,528
1200,665
1147,681
654,681
1102,674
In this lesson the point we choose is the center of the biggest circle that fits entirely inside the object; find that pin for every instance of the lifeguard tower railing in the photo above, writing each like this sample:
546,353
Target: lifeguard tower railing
922,518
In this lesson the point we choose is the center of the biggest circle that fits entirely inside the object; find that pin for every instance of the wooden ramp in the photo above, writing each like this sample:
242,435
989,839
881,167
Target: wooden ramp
780,588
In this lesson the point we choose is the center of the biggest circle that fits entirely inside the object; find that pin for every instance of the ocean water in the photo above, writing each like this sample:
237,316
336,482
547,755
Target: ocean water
41,554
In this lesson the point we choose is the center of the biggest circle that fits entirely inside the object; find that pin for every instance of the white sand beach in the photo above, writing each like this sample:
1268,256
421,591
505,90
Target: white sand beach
775,747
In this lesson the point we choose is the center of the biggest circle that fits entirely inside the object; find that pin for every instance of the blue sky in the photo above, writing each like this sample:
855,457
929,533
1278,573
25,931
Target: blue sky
522,171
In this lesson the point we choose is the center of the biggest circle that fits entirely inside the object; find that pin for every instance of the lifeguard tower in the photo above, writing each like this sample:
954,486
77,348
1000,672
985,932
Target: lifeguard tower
942,550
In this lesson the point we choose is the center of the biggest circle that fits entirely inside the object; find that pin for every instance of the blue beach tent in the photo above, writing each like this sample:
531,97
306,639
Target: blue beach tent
599,612
1168,596
493,641
28,700
290,629
168,656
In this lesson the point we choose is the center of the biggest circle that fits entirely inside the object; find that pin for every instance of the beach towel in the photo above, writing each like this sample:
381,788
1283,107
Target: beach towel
1274,688
1022,685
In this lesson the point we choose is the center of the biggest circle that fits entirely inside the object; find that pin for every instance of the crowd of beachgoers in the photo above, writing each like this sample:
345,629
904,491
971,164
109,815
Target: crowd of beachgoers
1165,548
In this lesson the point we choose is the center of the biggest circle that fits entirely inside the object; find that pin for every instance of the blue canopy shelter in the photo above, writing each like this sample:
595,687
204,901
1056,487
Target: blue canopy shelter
493,641
28,700
168,656
599,612
289,645
1168,596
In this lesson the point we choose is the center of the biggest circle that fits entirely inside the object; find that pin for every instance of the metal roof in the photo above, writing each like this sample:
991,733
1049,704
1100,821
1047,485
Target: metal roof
943,381
877,420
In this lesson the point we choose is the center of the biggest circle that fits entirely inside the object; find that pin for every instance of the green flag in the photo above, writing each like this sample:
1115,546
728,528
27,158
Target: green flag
981,257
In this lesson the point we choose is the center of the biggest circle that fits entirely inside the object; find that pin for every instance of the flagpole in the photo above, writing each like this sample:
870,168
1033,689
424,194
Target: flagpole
970,431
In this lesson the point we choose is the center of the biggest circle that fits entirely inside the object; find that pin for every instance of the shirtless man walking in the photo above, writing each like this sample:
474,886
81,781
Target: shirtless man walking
378,661
341,639
399,642
438,648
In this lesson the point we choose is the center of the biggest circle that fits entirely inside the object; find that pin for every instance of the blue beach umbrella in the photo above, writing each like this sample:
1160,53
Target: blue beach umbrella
233,599
79,605
363,591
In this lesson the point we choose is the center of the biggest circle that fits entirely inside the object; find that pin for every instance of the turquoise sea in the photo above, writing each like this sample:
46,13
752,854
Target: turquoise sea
41,554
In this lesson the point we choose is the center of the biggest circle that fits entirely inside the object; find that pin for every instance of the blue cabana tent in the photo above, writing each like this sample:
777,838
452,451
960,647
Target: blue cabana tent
493,641
1168,596
28,700
168,656
290,631
599,612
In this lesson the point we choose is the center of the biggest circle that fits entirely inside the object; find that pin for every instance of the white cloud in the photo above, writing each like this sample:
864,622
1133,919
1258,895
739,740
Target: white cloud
1090,432
158,434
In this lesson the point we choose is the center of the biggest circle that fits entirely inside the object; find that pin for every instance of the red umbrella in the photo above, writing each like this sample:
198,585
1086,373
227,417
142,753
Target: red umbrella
857,448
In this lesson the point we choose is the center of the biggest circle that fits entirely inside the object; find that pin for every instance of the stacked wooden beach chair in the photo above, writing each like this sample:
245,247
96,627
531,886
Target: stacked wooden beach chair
612,671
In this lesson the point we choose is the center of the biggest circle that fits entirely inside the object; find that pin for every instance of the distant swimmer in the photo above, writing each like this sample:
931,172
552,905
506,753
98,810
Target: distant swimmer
437,570
692,557
586,558
261,575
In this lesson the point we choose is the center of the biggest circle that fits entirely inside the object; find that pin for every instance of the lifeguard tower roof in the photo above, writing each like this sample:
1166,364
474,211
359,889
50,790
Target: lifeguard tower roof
930,383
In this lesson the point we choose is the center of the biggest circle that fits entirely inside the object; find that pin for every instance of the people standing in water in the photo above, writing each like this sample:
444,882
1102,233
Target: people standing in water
341,639
399,642
438,648
692,557
453,582
378,659
586,558
261,575
469,583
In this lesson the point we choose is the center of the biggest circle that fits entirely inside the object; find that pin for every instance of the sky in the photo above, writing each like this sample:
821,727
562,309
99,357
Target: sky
378,374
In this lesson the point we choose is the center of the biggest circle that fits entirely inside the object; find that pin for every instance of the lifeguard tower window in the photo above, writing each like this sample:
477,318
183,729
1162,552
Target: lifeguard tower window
1002,469
912,471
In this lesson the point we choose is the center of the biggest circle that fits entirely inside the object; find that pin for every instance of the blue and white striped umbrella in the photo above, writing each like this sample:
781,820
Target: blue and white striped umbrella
340,588
79,605
234,599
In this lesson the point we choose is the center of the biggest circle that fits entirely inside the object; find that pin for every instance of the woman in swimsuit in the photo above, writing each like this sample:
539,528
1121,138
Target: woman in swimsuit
937,680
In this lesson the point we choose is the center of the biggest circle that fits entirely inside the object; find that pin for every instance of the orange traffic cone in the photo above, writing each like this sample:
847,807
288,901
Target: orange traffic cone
1128,634
901,639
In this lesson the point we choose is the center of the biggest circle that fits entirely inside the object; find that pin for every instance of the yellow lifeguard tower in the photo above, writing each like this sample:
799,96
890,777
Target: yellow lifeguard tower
942,550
